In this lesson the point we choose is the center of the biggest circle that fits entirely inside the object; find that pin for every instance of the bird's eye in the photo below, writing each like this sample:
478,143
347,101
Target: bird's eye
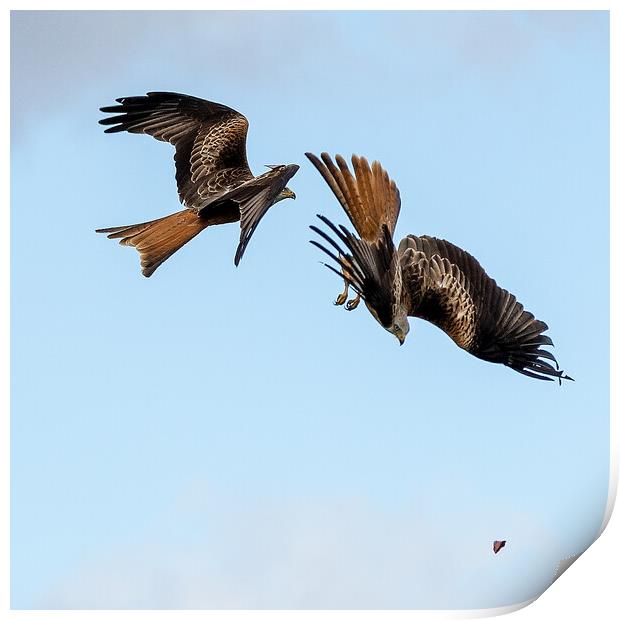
396,328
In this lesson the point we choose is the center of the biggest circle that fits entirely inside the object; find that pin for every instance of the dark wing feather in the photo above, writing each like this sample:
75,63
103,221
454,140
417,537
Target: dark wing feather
254,198
448,287
369,198
209,139
371,268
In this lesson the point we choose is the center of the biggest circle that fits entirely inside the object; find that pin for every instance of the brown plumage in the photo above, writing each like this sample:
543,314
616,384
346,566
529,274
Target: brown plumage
214,181
498,545
425,277
370,200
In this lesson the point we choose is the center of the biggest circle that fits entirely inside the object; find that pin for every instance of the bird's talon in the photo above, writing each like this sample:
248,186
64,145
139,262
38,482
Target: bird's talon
353,303
341,299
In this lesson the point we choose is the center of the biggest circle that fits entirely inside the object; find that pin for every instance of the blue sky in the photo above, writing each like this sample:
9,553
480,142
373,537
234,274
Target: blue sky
219,437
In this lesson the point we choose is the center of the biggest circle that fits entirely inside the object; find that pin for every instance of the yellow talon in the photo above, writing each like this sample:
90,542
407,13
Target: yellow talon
343,296
353,303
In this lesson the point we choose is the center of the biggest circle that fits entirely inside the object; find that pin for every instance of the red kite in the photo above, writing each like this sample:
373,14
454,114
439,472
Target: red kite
214,181
425,277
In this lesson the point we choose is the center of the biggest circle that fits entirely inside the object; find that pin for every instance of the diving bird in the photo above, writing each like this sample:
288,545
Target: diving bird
425,277
214,180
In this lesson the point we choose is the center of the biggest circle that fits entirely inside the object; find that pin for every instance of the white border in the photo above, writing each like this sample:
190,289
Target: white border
588,588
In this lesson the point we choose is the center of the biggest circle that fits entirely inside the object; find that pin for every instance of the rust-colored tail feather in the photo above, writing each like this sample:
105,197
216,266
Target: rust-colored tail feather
157,240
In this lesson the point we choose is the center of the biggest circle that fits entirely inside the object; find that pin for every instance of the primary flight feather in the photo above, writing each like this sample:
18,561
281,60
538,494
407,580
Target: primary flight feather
214,180
424,277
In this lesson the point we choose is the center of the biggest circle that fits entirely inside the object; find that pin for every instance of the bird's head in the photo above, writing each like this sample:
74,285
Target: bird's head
400,326
397,323
286,193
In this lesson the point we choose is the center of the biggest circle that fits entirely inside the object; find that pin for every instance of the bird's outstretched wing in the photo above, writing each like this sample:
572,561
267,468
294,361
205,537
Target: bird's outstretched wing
209,139
370,198
448,287
371,268
254,198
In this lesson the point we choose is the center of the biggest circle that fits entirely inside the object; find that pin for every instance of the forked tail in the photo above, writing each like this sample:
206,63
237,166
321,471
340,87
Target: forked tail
157,240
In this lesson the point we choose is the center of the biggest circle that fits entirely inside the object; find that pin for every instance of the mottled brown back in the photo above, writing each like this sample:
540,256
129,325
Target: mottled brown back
448,287
209,139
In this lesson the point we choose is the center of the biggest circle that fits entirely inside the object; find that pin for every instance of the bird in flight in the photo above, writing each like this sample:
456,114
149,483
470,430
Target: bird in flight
425,277
214,180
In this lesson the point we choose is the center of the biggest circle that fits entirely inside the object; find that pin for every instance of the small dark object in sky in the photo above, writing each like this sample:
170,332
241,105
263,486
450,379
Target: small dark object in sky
498,545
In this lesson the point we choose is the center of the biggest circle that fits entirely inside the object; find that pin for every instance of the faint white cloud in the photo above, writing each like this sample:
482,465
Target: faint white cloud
493,44
214,551
57,56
